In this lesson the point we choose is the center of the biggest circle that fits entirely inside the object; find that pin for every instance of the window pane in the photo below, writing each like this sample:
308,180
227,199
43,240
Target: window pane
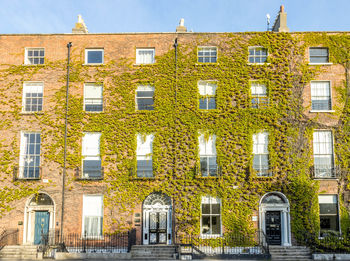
92,168
205,225
94,56
203,103
205,208
215,209
216,230
144,168
328,208
212,103
204,166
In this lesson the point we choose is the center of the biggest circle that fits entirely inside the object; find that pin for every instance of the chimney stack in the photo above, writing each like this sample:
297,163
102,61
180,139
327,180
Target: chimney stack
80,27
280,24
181,28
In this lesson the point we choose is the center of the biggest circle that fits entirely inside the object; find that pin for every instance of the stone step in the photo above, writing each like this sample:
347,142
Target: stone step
291,253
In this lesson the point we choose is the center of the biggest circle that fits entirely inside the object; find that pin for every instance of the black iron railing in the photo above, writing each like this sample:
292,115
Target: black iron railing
229,245
9,237
35,173
106,243
325,172
331,242
92,174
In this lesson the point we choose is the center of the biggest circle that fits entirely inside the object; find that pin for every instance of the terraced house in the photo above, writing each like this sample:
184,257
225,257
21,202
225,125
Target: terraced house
175,134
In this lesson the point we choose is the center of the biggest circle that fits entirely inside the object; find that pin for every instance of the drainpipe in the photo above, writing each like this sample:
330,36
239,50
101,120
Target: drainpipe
175,142
69,45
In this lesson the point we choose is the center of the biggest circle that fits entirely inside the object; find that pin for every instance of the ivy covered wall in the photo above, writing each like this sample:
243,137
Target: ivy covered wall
176,121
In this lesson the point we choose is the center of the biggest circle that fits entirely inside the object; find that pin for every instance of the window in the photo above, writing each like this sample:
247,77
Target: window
323,154
318,55
92,215
321,96
145,55
32,96
94,56
207,92
259,95
261,154
144,155
34,56
207,155
329,217
211,216
145,98
207,54
91,155
93,99
257,55
29,162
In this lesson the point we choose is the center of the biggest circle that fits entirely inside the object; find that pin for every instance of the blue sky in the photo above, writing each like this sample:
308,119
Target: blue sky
114,16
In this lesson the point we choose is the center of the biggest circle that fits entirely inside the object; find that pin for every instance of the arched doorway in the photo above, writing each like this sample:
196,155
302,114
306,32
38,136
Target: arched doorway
275,219
157,219
38,218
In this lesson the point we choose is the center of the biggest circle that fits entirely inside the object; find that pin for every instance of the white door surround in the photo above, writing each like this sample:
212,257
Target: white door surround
156,203
276,201
36,202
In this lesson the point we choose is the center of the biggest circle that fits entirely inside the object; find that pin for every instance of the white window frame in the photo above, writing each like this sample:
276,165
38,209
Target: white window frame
315,63
94,49
210,145
23,155
27,84
96,156
148,155
100,217
210,56
256,149
26,57
330,96
144,87
138,56
94,85
257,56
207,96
259,104
332,157
338,210
211,200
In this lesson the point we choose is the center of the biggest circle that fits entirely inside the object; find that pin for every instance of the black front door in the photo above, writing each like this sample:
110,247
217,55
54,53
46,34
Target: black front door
157,227
273,227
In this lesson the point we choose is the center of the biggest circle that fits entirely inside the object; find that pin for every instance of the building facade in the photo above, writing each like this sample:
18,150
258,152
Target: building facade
175,133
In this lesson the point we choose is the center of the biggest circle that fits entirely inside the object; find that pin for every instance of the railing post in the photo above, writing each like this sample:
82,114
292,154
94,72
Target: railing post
84,242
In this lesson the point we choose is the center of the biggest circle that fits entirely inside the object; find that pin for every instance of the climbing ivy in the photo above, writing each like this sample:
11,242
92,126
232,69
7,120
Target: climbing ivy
177,121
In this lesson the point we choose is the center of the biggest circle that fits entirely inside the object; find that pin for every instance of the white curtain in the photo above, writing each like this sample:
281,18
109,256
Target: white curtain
92,91
144,145
207,147
91,144
260,143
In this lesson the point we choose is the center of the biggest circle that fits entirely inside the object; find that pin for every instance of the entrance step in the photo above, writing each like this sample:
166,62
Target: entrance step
153,252
291,253
19,252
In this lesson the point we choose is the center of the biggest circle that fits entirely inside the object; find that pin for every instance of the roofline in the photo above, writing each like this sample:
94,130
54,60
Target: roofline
175,33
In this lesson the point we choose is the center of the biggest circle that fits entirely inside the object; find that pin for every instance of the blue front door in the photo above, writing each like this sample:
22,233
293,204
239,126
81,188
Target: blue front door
42,219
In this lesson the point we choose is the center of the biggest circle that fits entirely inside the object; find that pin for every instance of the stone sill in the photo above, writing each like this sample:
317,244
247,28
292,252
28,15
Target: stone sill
317,111
320,64
258,64
31,113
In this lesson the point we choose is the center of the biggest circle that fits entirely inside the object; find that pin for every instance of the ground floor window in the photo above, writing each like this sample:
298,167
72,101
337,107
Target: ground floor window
211,216
92,215
329,214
